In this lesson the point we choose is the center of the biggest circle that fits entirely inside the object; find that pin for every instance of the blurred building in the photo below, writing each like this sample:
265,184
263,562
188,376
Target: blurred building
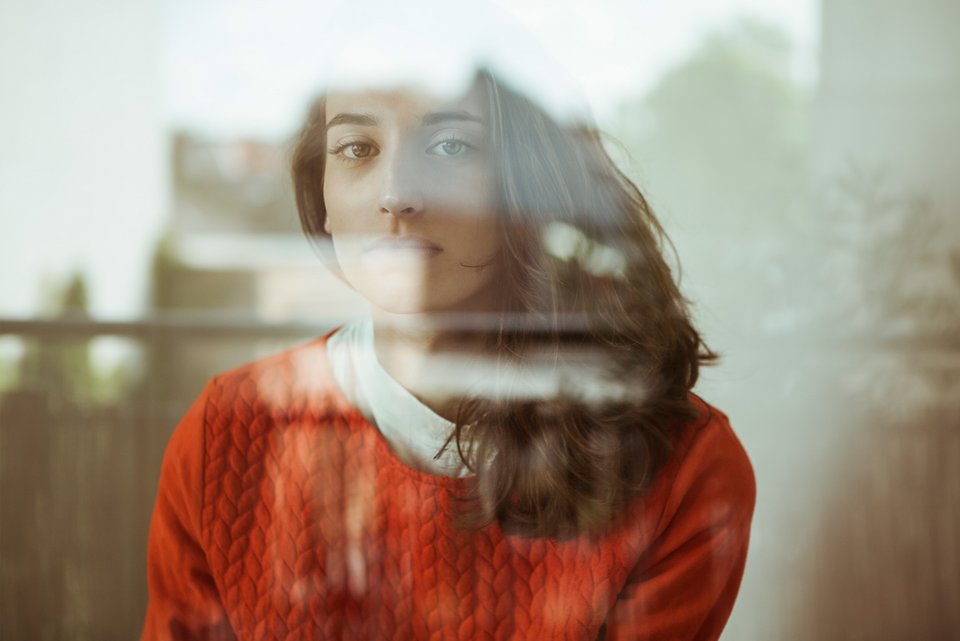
234,254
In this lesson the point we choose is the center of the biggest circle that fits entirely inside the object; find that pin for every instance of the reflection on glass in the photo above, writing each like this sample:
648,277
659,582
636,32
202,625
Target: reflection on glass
508,445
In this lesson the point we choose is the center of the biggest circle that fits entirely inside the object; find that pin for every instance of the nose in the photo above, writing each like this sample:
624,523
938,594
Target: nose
400,192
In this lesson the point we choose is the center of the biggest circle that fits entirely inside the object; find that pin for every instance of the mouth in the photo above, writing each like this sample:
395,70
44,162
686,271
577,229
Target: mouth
406,244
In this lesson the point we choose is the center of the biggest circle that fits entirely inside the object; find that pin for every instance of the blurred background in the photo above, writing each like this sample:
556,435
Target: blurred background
803,155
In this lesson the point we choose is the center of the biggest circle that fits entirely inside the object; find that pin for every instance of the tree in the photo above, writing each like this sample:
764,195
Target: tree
59,368
724,136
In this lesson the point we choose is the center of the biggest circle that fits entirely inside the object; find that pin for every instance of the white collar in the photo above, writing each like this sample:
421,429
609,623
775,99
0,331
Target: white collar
411,428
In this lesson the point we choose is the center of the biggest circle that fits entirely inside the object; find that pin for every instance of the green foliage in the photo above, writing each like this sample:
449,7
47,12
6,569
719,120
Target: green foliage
59,368
723,138
9,374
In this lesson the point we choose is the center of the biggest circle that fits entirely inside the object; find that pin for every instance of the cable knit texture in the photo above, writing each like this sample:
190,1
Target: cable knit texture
283,514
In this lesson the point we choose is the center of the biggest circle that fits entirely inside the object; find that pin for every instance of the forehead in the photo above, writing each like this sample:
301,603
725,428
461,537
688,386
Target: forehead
404,103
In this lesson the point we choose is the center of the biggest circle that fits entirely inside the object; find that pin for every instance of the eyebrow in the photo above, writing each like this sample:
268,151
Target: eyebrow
363,120
366,120
446,116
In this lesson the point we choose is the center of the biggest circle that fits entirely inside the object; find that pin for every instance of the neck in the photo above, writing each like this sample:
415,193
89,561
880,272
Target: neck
434,362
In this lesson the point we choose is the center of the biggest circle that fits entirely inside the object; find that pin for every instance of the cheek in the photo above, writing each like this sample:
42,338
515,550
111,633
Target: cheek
470,201
484,237
336,200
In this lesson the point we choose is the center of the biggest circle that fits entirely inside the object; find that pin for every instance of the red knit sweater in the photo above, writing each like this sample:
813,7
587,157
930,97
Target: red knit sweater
283,514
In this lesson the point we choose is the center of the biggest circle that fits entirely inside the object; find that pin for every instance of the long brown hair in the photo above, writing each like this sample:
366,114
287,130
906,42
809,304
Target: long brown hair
584,281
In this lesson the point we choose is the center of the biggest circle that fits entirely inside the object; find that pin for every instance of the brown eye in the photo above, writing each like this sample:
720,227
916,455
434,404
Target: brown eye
358,150
353,150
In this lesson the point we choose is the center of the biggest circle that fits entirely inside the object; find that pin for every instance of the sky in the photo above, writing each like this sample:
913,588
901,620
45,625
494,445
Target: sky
245,66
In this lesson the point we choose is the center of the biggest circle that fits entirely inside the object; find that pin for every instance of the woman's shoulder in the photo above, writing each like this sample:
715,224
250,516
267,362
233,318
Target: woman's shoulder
710,436
295,379
241,411
708,477
249,403
696,515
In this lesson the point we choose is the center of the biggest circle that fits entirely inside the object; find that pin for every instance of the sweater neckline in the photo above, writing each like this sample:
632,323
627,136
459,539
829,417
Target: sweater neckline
403,419
384,451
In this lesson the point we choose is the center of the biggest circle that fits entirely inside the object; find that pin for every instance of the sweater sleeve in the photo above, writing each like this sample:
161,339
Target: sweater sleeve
684,587
184,603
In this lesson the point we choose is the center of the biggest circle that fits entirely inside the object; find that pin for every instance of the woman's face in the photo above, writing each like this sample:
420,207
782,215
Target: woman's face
409,194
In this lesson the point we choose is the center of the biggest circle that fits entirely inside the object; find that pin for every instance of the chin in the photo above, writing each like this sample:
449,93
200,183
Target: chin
403,297
398,301
419,305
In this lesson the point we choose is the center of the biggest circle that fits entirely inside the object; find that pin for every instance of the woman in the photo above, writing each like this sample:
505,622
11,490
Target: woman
508,448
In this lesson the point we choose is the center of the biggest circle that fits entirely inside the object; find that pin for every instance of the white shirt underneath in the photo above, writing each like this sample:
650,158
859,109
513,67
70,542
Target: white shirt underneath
412,429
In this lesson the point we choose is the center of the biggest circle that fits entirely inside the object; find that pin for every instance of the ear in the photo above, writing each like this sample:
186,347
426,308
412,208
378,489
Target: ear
326,225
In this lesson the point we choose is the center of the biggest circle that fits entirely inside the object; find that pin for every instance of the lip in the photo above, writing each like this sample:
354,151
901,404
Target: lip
404,243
